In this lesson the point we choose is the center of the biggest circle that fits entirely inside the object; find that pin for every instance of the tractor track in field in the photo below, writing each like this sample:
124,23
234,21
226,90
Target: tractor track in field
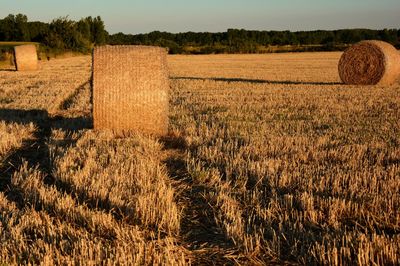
199,232
35,151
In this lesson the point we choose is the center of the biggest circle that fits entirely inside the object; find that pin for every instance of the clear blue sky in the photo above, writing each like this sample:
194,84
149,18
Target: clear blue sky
141,16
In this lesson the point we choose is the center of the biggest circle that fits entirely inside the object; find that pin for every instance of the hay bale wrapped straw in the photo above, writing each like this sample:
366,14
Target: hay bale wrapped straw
370,63
25,57
130,89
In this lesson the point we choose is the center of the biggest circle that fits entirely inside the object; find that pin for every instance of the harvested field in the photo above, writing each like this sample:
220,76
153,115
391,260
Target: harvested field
269,160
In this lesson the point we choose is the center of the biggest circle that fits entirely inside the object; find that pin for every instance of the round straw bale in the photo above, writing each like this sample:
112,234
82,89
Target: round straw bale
25,57
130,89
370,63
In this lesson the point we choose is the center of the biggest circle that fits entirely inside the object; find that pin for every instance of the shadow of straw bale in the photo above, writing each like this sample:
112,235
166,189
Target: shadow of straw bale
257,81
36,153
199,229
66,104
34,150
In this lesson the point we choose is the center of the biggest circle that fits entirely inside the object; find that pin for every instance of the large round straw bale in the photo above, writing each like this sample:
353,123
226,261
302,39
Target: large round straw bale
25,57
130,89
370,63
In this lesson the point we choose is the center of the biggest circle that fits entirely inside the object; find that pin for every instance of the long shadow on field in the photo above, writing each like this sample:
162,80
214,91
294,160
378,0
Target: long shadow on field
257,81
34,150
66,104
199,231
36,153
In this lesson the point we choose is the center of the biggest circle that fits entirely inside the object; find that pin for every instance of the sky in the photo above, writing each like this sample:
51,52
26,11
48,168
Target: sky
142,16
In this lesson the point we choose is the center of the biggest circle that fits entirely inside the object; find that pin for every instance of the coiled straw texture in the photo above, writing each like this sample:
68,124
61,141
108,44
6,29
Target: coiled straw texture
370,63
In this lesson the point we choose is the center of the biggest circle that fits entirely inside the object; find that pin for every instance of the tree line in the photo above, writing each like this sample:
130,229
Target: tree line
61,34
249,41
64,34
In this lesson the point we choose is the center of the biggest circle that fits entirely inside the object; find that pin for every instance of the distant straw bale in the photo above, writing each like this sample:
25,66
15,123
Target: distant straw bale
25,57
370,63
130,89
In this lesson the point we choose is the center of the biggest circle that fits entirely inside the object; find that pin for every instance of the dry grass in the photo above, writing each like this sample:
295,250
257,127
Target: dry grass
297,168
12,136
45,89
278,68
270,160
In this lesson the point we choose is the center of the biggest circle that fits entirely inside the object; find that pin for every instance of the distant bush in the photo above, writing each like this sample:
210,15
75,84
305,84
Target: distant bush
60,35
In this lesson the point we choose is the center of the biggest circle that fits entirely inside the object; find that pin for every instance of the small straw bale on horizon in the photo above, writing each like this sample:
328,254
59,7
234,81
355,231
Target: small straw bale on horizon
25,57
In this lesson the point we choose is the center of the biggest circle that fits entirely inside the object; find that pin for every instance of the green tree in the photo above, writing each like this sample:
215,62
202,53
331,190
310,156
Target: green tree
15,28
64,35
84,27
22,29
97,30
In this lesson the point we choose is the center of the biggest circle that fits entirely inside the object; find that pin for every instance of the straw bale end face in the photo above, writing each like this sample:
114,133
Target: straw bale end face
25,57
130,89
370,63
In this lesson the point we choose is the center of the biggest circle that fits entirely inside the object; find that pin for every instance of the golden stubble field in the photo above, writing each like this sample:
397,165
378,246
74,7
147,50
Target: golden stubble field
270,160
